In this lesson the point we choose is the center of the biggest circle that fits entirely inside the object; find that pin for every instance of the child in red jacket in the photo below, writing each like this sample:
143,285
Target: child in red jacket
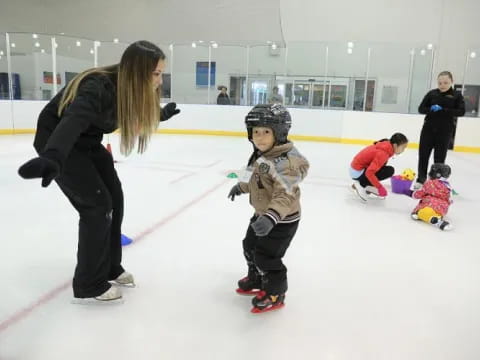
369,167
434,197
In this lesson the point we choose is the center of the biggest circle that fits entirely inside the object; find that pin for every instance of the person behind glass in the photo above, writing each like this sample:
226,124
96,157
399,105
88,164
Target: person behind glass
222,98
440,106
275,98
70,128
369,166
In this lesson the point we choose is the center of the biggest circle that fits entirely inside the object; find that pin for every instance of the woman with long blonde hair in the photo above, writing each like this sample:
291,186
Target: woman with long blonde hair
70,128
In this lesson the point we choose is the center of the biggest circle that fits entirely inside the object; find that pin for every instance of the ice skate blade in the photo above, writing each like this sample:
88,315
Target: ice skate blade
95,302
129,285
375,196
270,308
353,188
248,292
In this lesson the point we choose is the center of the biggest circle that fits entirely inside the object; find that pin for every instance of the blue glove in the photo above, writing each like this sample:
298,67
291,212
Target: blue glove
435,108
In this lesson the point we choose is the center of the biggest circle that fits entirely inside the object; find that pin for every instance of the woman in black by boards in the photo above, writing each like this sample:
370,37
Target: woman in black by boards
440,106
68,140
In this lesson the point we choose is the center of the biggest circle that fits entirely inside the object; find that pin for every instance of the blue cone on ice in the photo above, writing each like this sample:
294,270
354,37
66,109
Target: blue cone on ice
125,240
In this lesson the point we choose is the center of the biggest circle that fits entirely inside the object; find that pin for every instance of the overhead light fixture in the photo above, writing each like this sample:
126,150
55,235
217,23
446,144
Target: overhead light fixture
42,51
79,43
170,47
423,52
91,51
215,45
350,45
269,42
194,45
200,41
473,55
37,44
274,46
350,51
62,33
35,36
430,46
13,45
1,52
115,41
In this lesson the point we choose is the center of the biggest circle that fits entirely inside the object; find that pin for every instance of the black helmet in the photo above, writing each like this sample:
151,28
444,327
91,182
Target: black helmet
438,171
273,116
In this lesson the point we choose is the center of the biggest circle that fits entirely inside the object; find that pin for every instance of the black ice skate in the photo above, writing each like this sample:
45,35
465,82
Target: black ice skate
247,286
264,302
440,223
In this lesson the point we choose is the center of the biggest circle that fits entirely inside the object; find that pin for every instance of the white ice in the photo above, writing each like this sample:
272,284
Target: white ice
366,282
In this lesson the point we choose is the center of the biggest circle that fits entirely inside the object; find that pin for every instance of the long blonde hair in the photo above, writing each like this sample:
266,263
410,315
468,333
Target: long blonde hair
138,104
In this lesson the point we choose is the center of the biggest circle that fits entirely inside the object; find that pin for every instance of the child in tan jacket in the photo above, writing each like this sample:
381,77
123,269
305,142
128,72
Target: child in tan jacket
274,172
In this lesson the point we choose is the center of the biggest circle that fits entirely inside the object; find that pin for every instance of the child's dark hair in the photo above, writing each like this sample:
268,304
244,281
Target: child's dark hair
397,138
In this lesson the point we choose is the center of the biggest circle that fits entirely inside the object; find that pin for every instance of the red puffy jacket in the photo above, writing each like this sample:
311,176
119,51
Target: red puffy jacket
372,158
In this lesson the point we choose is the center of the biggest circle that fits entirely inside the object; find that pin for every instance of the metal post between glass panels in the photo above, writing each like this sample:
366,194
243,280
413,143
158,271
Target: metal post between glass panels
367,74
171,71
410,79
285,71
246,77
325,77
54,65
9,67
209,70
465,70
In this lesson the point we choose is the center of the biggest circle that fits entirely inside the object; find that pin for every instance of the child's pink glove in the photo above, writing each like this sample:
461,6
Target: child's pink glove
382,191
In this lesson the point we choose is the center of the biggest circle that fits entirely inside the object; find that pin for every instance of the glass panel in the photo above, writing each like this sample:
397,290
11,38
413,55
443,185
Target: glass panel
359,95
190,75
301,93
318,94
388,75
231,67
31,66
109,52
346,62
266,66
471,91
421,74
305,74
74,55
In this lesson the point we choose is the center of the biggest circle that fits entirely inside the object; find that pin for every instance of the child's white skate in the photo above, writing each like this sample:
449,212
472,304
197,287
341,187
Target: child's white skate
124,279
372,193
360,191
